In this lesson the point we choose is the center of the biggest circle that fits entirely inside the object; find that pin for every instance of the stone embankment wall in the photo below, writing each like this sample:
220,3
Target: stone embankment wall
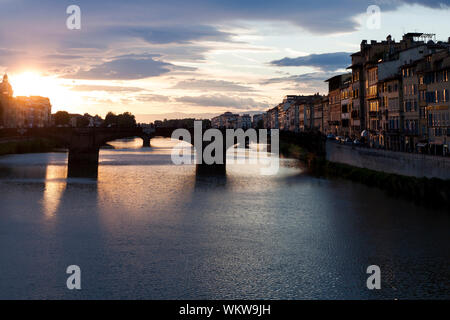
407,164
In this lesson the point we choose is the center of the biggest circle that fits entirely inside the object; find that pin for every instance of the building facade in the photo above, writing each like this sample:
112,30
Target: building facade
22,112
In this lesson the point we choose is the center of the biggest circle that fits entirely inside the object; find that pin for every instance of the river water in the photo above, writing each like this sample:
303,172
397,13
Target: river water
148,229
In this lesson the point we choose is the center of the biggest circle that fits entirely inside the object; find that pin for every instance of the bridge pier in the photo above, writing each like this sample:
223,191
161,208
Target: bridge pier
214,169
146,141
83,162
211,169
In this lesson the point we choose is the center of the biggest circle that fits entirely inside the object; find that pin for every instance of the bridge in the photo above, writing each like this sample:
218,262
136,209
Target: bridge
84,144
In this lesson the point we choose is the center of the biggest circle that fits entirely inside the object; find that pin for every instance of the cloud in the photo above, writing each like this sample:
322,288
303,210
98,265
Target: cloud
308,82
222,101
8,52
63,56
212,85
325,61
164,34
86,87
152,98
125,67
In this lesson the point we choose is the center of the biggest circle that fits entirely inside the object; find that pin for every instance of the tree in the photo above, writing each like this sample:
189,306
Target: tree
126,120
62,118
110,120
83,121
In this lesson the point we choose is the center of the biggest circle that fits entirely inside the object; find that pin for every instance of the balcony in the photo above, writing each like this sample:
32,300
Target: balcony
374,114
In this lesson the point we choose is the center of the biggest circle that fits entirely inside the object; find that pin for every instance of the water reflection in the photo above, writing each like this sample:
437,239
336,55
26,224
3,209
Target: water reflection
148,229
55,185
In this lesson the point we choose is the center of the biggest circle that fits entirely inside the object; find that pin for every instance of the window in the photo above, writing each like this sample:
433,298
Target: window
373,106
422,94
430,97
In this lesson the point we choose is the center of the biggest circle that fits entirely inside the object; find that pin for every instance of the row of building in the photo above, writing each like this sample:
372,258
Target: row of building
231,120
395,97
22,112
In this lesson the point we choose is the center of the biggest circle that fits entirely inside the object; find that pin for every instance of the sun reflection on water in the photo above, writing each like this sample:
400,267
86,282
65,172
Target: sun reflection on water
55,185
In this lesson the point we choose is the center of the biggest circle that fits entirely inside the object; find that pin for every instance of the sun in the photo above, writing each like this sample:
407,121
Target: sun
32,83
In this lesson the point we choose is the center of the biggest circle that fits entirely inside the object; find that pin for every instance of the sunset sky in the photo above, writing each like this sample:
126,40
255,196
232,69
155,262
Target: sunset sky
193,57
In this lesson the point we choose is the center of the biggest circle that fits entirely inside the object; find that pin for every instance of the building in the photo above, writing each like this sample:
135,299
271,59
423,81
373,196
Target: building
396,97
433,73
335,85
33,112
391,113
317,115
22,112
272,118
258,121
244,122
7,104
294,117
230,120
346,105
357,114
325,115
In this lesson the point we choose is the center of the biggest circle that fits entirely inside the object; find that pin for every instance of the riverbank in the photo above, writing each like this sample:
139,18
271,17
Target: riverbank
429,192
36,145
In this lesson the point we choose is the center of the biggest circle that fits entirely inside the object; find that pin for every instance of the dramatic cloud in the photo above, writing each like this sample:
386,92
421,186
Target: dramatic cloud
326,61
173,33
212,85
235,102
125,68
109,25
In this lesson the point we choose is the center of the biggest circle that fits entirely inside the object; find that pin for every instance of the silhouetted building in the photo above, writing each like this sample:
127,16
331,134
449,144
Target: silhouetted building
22,112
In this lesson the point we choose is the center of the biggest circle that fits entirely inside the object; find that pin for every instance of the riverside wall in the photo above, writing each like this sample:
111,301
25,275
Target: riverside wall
407,164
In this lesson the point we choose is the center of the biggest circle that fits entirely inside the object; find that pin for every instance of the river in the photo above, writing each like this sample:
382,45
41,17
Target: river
148,229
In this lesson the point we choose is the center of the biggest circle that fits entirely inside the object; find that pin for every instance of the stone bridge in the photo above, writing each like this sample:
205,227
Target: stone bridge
83,144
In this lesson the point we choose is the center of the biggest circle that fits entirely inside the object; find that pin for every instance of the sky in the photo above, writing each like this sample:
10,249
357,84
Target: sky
173,58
